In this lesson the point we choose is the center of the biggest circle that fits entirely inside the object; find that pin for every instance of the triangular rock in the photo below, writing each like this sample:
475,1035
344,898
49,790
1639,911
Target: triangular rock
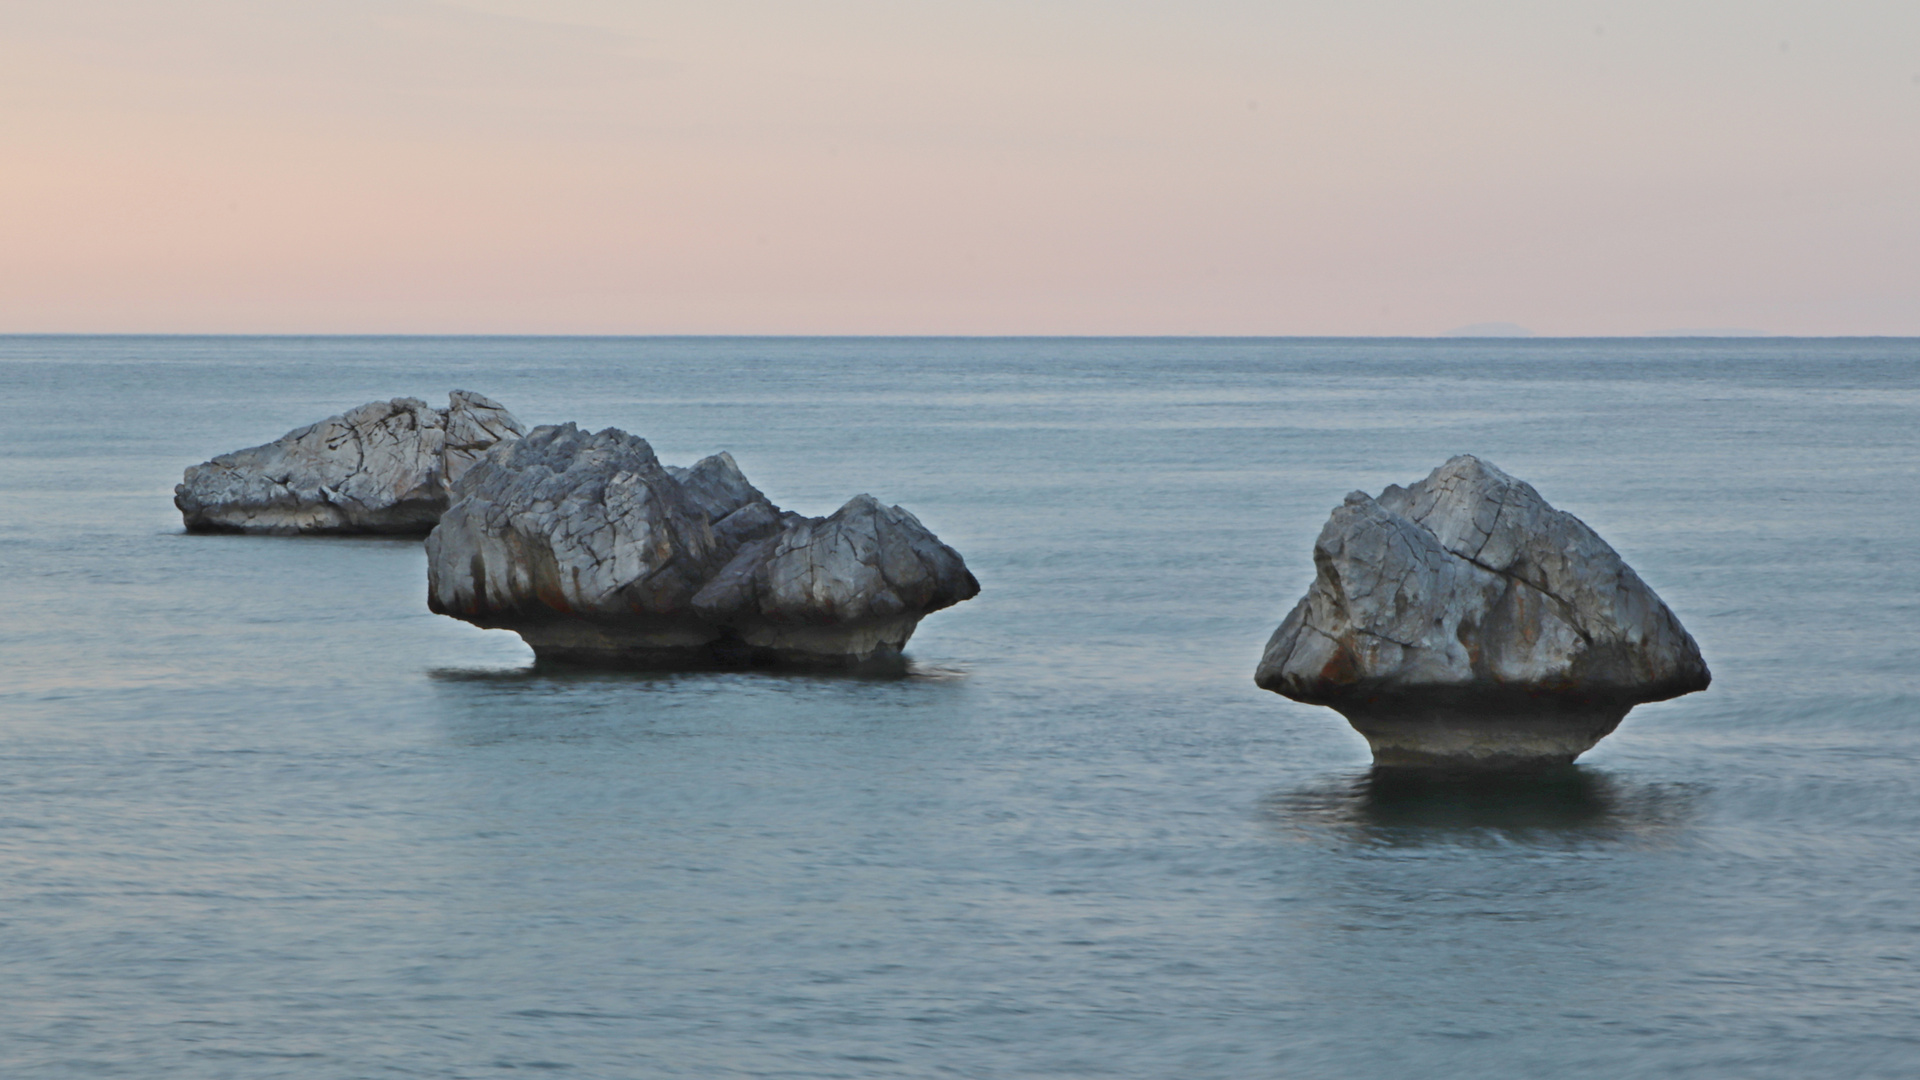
1464,620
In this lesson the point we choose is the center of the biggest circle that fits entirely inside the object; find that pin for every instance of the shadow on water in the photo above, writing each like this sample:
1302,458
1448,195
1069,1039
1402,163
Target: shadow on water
559,702
559,674
398,541
1571,805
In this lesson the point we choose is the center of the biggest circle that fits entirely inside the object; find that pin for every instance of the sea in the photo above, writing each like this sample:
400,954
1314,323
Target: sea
263,815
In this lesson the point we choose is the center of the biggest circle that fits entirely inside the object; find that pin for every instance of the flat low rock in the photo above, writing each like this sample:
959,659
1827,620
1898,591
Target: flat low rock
1464,621
596,553
385,467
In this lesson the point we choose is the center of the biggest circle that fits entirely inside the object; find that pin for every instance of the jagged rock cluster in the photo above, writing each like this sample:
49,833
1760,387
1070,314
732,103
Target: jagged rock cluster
1463,620
594,552
385,467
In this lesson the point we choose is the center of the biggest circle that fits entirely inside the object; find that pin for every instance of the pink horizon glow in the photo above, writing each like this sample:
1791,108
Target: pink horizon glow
585,166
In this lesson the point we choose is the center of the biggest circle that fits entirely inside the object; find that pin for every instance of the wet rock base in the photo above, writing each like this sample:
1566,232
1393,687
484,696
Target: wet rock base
1533,732
868,650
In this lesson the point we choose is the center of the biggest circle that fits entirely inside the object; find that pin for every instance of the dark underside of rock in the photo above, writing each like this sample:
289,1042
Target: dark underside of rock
1480,731
1465,622
596,554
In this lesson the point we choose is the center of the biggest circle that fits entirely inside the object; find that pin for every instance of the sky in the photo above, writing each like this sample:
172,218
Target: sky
1364,167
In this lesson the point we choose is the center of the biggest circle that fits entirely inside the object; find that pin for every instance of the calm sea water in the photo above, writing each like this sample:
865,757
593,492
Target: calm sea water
263,815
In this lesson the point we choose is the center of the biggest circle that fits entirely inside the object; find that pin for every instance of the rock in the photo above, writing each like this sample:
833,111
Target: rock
593,552
1463,620
385,467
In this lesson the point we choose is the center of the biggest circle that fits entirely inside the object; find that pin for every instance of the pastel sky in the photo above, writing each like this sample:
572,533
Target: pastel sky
986,167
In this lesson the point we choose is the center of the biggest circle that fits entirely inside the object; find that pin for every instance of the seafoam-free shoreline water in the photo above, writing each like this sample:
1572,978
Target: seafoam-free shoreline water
262,814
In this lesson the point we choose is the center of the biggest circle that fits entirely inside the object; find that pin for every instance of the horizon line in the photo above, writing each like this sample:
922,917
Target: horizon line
560,335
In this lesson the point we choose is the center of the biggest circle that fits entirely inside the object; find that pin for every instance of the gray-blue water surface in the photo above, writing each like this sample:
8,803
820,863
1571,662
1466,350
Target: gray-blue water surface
261,814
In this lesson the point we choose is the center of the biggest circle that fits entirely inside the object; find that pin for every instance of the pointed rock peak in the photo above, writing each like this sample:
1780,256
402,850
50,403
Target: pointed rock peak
1468,461
716,485
467,399
865,506
722,471
614,441
561,447
547,433
1474,509
1472,471
475,424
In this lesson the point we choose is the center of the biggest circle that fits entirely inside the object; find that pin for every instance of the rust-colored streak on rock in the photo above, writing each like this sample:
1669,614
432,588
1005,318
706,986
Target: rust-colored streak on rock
1343,669
550,595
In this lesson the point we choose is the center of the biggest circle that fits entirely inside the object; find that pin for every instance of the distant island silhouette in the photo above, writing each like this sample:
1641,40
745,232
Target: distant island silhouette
1490,329
1515,330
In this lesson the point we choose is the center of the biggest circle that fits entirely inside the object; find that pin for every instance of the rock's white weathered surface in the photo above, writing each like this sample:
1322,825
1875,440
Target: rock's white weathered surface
1464,620
594,552
385,467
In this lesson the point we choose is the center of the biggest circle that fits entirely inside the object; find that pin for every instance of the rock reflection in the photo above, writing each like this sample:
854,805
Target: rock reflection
1415,807
908,671
550,702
